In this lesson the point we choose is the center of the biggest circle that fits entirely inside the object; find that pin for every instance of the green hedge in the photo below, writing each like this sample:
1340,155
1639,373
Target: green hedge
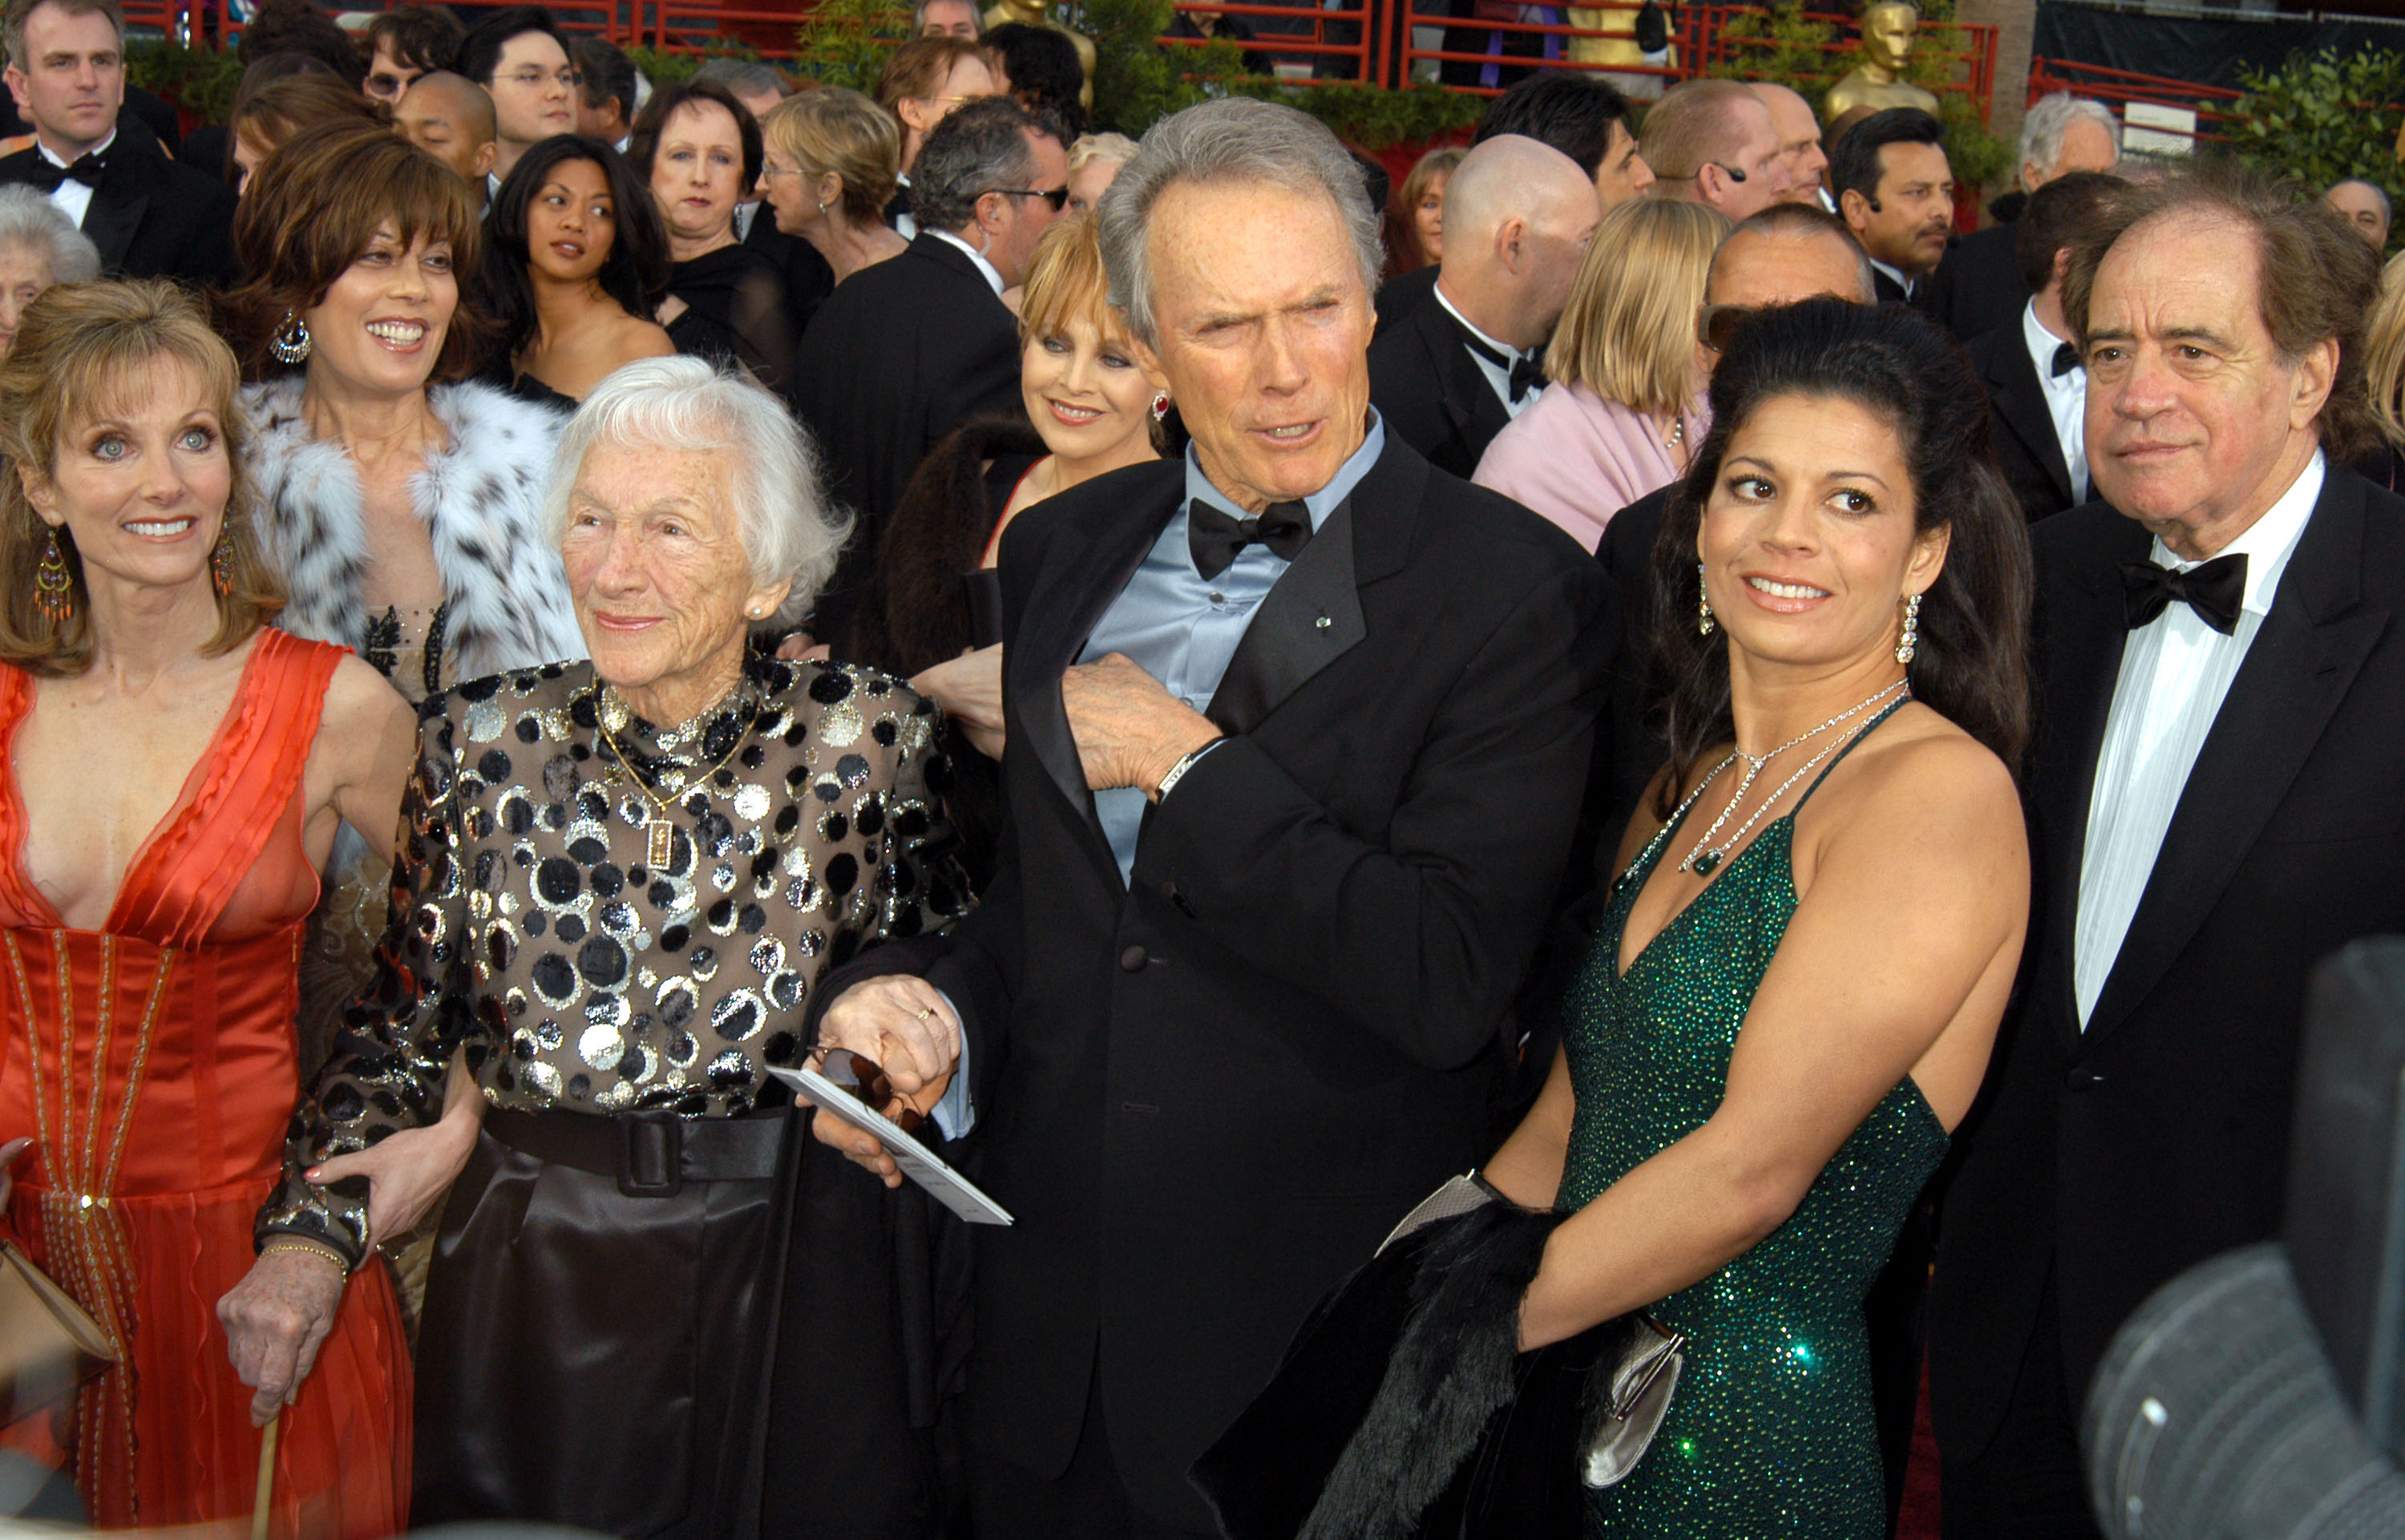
2314,118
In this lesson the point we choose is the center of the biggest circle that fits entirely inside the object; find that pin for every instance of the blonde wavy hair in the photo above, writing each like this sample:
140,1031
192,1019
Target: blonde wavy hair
85,352
2383,352
1628,333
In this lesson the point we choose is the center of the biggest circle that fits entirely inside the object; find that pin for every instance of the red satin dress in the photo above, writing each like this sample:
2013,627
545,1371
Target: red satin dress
153,1063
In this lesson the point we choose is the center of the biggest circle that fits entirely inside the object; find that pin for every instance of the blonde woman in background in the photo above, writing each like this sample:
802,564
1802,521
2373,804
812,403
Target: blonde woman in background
1626,408
830,159
2384,370
1094,161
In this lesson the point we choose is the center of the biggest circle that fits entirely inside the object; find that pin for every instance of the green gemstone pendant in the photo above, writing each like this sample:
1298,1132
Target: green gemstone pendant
1706,862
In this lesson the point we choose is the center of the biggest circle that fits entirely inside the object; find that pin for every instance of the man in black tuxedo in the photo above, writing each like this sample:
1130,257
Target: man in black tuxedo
1448,376
1978,287
1298,726
149,217
915,346
2037,385
2216,801
1895,192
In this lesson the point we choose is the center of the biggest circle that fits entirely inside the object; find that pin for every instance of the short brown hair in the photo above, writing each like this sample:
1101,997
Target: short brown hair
268,110
1694,124
831,129
418,36
915,70
13,19
316,204
84,351
2315,280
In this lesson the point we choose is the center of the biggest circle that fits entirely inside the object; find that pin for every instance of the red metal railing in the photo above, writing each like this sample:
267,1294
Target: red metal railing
2118,88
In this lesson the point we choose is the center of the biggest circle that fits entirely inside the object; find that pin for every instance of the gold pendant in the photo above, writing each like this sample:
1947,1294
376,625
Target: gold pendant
659,831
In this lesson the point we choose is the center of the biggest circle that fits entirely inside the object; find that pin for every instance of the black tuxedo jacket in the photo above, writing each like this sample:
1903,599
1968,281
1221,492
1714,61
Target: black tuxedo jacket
2019,425
150,217
1432,392
1397,297
899,355
1977,289
1206,1095
2100,1165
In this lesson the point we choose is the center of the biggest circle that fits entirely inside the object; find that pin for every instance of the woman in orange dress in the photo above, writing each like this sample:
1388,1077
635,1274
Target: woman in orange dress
171,775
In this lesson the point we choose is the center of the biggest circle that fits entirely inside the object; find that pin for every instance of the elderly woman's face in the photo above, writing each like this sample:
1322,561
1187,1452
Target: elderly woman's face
25,271
663,589
143,488
381,326
697,171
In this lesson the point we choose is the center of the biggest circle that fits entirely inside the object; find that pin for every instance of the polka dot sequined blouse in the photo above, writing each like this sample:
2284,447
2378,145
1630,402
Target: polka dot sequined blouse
534,924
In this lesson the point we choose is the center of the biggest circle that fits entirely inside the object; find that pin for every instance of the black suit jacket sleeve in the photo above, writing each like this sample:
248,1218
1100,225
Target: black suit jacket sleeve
1401,938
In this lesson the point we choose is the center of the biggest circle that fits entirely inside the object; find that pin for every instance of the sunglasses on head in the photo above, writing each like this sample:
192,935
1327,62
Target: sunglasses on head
865,1080
1716,325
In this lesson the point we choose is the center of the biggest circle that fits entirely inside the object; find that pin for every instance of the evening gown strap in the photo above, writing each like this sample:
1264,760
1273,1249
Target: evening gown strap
1770,1432
153,1062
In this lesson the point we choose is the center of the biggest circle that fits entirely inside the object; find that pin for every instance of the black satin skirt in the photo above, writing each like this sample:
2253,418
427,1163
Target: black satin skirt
651,1328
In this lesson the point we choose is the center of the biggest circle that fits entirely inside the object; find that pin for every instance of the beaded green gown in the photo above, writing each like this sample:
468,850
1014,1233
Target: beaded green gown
1770,1431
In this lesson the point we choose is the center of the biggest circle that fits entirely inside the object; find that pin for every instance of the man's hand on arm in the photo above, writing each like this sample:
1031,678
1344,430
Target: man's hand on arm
1129,730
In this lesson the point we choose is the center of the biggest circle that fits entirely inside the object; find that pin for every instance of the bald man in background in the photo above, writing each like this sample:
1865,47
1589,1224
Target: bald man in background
1518,216
450,117
1799,146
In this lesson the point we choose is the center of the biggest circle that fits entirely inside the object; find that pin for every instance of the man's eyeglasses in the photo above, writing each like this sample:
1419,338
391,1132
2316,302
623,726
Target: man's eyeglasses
533,78
861,1075
1716,325
1058,197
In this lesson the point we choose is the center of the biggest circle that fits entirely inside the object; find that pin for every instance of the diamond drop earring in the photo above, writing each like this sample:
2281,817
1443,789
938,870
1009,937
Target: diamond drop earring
1703,604
1911,629
291,341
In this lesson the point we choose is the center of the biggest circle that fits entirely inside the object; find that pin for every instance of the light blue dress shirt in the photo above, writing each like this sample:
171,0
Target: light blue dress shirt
1182,630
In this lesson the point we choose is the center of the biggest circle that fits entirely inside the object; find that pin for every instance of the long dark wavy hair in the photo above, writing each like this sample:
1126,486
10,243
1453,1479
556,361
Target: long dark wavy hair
1972,661
636,272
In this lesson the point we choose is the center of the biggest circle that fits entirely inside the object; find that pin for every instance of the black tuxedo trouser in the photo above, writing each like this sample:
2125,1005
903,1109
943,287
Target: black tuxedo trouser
2027,1484
1087,1502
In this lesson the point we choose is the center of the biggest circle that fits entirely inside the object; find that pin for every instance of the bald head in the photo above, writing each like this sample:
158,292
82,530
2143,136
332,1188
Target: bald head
450,117
1517,218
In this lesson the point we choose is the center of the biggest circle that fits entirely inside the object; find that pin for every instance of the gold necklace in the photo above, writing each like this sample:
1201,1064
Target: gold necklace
657,827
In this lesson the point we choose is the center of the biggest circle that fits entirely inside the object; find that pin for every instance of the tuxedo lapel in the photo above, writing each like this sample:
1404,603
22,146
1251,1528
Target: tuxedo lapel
2086,632
1469,402
119,203
2019,396
2297,669
1312,615
1084,569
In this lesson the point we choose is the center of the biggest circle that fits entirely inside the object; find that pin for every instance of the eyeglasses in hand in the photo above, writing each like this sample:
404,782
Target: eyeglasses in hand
861,1075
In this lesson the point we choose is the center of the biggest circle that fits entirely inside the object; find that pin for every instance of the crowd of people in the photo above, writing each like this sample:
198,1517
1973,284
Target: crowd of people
1811,754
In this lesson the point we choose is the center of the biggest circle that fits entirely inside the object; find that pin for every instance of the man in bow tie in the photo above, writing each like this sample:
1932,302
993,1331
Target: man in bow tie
2216,802
1518,216
149,217
1298,726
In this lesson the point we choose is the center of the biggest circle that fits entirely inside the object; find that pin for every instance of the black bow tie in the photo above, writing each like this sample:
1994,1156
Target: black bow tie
2213,591
2066,359
1214,537
49,177
1528,370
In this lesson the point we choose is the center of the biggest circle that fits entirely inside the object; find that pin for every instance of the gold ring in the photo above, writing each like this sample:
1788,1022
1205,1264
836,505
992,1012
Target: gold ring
926,1013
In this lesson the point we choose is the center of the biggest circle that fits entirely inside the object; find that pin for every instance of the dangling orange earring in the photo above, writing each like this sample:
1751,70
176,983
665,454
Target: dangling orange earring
221,564
53,585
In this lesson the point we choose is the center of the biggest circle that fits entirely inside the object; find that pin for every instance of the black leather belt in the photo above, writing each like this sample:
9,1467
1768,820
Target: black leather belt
652,1155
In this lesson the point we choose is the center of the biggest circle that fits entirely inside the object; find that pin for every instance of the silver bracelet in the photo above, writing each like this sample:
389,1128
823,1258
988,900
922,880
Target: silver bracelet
1177,771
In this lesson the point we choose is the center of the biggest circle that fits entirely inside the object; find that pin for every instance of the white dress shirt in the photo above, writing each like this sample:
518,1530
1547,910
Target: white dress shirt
992,274
1499,376
73,199
2175,670
2066,397
1896,274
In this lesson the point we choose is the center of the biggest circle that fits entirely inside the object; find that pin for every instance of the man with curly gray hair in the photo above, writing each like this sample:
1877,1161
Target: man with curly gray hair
1299,730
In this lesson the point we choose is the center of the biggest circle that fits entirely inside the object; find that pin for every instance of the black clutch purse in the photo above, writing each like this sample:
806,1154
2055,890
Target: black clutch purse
1403,1408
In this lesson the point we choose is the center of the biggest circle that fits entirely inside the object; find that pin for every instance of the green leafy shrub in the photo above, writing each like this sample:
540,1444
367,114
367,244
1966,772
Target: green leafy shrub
200,81
2322,119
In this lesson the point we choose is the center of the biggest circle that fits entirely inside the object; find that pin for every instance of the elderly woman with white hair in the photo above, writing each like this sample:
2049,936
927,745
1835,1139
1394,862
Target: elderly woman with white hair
39,246
621,881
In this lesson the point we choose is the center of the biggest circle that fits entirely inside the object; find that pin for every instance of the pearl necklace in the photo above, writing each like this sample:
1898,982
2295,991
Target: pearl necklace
1705,857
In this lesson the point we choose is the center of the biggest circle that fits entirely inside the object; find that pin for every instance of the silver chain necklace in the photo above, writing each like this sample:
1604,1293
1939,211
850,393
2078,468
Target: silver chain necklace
1705,857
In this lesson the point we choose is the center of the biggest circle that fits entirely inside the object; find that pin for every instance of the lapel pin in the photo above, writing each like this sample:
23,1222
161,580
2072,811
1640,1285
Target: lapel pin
1323,622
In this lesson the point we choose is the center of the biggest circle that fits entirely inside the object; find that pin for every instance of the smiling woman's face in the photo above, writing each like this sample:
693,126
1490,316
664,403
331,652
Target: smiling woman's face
1808,541
143,487
381,326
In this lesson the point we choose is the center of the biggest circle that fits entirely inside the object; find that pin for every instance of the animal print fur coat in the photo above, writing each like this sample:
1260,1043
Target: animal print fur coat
481,501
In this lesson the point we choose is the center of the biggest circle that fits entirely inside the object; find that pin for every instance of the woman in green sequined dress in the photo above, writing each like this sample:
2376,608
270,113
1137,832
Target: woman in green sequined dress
1793,985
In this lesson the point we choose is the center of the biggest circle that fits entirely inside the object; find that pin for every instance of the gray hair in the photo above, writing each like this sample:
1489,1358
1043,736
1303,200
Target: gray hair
919,17
744,77
979,147
28,219
790,531
2051,117
1235,139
